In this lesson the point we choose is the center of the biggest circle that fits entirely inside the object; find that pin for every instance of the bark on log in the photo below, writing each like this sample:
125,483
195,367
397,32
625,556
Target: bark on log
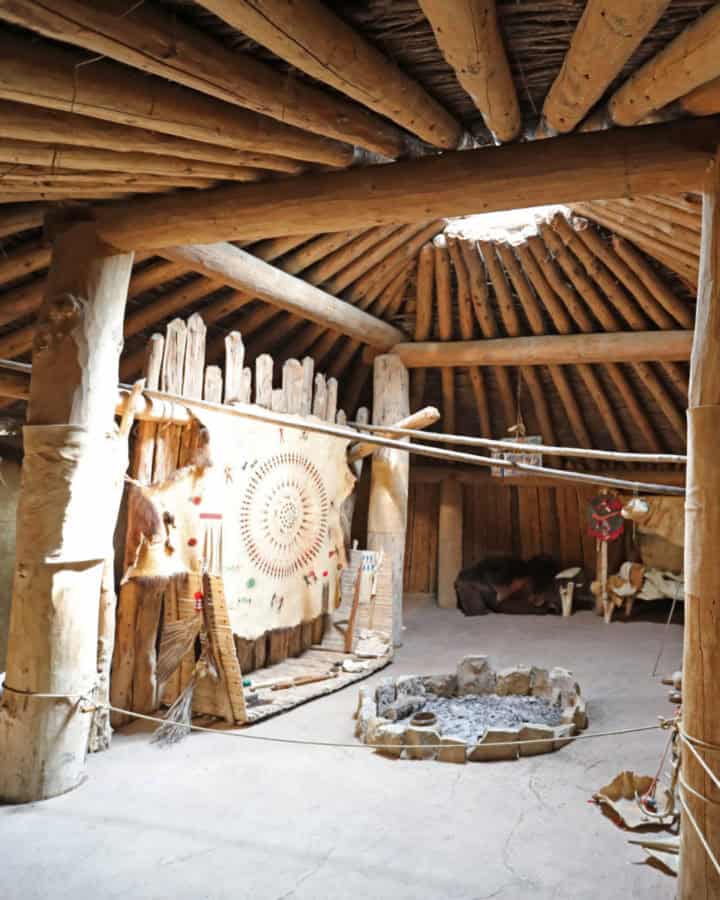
387,513
239,269
698,879
59,564
468,35
608,33
546,350
669,159
55,77
149,39
312,38
687,62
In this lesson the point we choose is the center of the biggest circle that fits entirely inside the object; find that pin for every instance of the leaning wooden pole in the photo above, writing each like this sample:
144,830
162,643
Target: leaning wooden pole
72,480
387,514
699,879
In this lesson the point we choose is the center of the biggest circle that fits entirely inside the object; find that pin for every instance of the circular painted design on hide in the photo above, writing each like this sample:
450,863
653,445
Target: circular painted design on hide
284,514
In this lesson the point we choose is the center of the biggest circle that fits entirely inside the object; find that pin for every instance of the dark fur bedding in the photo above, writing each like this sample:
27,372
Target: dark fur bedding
508,584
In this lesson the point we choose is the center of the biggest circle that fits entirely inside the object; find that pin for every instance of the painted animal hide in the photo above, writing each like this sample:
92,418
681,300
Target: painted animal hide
263,510
664,516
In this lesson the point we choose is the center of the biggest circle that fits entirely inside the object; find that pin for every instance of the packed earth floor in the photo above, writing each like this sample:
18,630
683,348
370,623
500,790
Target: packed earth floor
219,818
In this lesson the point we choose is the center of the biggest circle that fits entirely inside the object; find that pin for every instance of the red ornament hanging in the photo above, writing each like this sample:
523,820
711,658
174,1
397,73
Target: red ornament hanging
605,521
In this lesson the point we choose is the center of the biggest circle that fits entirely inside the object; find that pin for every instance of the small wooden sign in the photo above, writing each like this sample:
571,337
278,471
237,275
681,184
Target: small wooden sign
525,455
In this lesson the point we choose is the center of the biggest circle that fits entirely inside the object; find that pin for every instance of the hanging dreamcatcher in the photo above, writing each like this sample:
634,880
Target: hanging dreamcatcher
605,521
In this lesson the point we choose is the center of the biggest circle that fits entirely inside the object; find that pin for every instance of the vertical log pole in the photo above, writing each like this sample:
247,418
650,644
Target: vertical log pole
65,518
387,514
450,534
698,878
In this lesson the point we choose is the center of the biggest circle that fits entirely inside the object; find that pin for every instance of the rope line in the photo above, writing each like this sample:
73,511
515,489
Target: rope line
698,831
372,747
43,696
688,743
696,793
344,746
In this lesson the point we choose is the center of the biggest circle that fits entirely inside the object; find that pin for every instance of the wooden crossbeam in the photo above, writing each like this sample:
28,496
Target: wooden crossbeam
555,349
669,158
238,269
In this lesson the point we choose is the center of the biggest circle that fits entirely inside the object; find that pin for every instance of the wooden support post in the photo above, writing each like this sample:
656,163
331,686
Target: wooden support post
450,530
698,879
387,514
65,519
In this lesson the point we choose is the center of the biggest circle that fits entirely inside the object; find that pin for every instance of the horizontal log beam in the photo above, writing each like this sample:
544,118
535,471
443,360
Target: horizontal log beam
668,158
434,474
148,38
238,269
551,350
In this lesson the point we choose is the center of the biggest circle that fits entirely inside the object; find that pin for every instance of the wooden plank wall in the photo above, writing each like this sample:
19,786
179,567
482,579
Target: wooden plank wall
422,538
502,519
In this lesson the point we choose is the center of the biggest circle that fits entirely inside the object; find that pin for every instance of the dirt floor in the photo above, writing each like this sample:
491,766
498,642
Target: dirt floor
218,818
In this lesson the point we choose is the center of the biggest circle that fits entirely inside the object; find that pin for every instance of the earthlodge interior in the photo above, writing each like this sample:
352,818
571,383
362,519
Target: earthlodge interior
358,367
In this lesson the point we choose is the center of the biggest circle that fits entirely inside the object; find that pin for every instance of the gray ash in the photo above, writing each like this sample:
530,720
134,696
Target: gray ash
467,717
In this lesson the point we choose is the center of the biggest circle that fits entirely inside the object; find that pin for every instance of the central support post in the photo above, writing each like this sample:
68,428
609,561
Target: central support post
71,484
387,515
699,879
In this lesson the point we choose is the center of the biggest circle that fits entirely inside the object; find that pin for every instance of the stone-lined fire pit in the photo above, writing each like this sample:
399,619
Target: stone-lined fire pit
468,714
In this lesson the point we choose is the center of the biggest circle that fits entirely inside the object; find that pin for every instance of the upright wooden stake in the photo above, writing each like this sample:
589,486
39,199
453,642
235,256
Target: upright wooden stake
387,514
698,879
449,541
66,517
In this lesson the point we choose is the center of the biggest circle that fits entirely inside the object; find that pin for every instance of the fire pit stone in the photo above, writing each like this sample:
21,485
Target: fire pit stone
475,714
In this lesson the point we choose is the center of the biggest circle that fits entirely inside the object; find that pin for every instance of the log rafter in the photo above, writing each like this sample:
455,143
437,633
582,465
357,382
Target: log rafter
149,39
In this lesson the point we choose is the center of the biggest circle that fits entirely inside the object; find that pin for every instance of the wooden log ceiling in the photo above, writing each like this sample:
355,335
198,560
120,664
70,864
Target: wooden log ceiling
187,101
